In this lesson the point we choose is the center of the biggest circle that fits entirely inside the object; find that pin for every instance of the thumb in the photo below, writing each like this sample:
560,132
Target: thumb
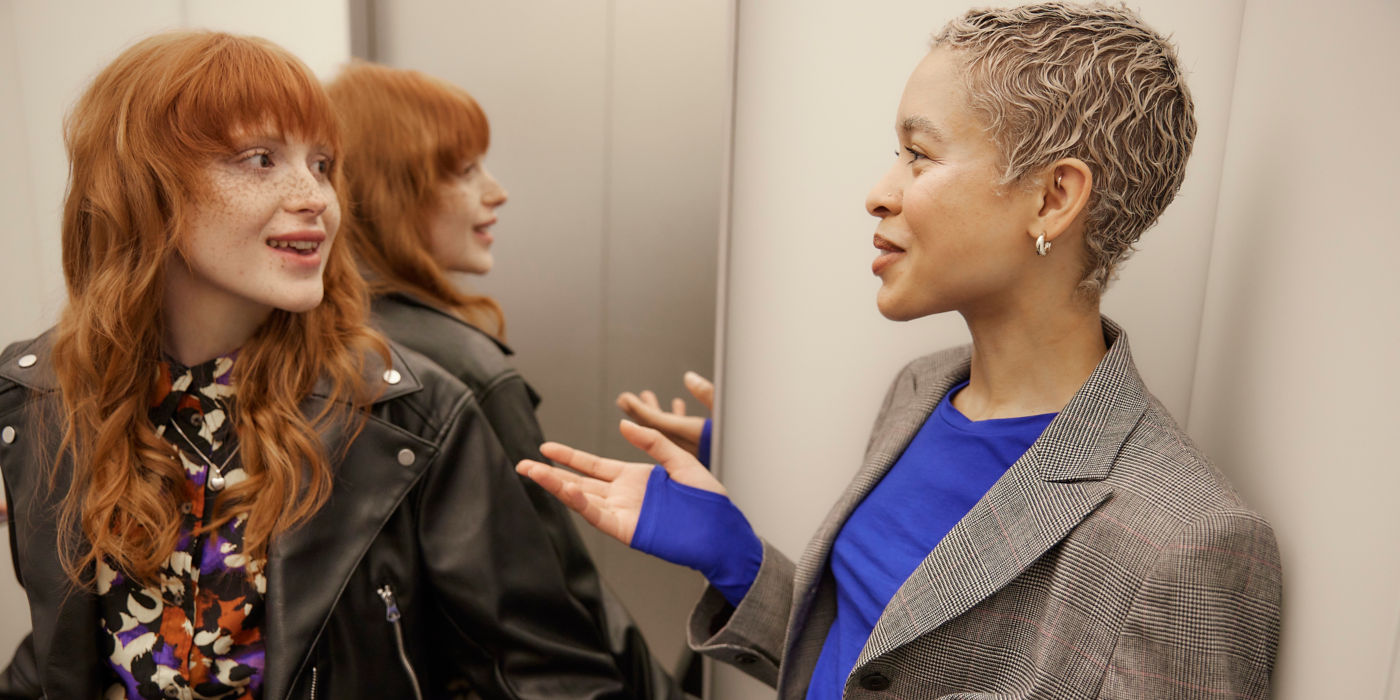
701,388
679,464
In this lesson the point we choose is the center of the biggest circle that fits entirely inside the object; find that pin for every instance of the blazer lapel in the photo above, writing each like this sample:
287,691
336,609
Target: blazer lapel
308,567
1018,520
912,402
1041,498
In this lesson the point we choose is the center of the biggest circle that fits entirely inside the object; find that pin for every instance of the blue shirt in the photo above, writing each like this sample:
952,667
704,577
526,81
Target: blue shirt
948,466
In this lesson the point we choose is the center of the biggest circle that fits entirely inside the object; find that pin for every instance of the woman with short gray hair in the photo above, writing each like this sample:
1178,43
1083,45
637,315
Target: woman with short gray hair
1029,521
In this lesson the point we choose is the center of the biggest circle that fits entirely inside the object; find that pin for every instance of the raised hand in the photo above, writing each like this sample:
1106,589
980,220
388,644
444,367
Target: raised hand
608,493
681,429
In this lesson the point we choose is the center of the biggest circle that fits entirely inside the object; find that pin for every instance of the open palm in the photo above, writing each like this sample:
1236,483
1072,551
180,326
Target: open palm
608,493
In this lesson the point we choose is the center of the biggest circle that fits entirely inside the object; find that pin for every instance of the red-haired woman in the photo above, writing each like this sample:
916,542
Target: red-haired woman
245,492
422,206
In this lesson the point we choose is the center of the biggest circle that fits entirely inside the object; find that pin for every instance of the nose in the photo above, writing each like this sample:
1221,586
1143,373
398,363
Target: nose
493,194
884,198
308,193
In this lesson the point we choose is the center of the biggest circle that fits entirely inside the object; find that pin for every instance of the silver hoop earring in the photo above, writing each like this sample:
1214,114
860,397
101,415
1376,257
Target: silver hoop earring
1042,246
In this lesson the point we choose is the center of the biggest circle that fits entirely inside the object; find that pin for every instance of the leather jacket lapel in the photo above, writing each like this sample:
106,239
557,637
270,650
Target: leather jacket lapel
308,567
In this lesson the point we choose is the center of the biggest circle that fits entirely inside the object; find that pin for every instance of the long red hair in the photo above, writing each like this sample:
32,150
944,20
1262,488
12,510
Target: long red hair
138,142
405,134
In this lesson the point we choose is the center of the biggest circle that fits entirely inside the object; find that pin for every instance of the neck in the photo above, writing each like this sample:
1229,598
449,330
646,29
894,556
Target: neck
203,322
1029,361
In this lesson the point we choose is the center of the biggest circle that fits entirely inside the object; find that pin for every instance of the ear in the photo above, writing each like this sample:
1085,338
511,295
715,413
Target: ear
1063,188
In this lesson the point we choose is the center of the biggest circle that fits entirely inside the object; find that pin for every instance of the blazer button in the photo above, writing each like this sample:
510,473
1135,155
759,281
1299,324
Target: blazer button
746,658
406,456
874,681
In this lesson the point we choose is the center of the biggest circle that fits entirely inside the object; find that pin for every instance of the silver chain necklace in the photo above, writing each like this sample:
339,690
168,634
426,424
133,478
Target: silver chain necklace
216,479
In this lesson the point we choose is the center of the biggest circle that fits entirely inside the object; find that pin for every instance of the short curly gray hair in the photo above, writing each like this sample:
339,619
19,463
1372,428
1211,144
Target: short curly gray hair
1054,80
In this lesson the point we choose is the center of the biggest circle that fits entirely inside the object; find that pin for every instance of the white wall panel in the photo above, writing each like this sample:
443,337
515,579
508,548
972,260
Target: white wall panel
318,31
807,357
1296,390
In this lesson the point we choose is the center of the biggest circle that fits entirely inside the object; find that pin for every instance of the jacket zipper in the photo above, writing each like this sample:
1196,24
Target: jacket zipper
313,683
391,613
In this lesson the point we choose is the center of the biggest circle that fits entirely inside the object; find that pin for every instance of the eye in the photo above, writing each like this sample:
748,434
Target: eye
914,156
323,166
258,159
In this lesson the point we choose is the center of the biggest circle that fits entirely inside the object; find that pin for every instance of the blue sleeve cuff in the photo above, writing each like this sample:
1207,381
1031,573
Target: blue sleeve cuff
702,451
699,529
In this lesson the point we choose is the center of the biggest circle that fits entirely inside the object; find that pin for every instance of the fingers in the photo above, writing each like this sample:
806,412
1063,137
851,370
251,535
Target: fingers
554,479
678,406
580,461
702,389
585,496
676,425
649,398
680,464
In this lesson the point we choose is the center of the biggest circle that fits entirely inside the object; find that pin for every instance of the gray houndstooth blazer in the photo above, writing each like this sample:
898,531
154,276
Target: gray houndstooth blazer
1111,561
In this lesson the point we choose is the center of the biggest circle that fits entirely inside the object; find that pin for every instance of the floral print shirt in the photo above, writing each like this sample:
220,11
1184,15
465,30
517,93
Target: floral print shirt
198,633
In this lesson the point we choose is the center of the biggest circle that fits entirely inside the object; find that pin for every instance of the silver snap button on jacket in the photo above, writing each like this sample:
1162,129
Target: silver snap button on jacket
8,434
406,456
28,360
392,376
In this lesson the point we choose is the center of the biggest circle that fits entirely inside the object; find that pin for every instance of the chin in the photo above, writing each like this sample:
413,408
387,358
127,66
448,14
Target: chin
301,303
899,308
892,307
476,265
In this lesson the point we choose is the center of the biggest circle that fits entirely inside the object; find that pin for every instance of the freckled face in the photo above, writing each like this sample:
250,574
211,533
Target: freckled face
260,236
949,237
459,227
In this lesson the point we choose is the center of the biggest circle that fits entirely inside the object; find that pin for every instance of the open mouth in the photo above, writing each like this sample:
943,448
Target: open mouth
889,253
296,247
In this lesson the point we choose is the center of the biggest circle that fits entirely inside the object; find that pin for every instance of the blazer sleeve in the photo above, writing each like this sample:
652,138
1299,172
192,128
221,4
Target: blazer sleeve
481,540
752,636
1205,623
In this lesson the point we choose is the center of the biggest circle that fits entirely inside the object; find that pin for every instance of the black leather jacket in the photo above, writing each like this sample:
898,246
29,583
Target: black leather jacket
424,503
479,361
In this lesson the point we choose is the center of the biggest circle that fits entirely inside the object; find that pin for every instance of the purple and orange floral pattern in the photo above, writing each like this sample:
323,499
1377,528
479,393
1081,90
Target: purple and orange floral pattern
197,633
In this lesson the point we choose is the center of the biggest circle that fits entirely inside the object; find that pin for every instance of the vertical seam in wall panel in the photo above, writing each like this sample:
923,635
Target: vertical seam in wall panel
726,225
1215,226
600,426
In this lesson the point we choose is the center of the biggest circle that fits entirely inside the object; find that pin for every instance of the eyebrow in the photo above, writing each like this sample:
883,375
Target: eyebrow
923,125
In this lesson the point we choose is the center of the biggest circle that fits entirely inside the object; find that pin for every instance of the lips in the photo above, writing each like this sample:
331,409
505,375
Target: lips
296,246
883,244
301,245
889,253
483,232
